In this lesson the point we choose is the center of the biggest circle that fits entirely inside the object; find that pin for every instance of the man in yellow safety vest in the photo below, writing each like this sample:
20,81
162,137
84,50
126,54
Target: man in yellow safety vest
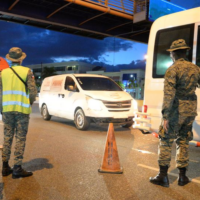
17,94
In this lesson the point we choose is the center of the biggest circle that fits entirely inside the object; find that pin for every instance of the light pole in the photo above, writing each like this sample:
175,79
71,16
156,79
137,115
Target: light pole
41,74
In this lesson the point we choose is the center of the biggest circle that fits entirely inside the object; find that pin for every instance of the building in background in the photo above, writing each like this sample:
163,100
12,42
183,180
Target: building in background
132,79
61,68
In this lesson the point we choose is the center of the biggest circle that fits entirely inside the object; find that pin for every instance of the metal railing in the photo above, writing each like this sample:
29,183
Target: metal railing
120,5
127,6
140,5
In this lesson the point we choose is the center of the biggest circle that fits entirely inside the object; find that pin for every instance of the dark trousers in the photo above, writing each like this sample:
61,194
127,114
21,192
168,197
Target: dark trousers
180,131
14,124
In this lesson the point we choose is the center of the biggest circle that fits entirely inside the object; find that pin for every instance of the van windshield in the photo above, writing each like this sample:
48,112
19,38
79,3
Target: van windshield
98,83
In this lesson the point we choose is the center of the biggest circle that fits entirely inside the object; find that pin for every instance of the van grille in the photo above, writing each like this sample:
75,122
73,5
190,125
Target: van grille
117,106
119,110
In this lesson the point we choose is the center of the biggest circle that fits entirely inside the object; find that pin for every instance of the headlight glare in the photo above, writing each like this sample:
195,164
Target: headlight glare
94,104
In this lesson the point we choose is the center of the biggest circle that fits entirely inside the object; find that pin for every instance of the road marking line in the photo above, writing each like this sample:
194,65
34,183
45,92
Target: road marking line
148,152
196,161
143,151
172,174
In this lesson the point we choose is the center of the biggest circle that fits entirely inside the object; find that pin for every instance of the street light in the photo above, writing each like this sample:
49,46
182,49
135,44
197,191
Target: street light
41,69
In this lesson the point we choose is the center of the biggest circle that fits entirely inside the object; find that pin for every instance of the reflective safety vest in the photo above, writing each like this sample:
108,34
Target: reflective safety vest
14,95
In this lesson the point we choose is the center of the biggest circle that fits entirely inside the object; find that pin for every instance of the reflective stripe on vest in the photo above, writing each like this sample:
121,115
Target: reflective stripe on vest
14,94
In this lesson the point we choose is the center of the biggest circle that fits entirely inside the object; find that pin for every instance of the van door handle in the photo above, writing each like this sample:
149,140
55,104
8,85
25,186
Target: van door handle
62,95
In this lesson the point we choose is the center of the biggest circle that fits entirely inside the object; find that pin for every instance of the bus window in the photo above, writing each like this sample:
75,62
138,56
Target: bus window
164,39
198,48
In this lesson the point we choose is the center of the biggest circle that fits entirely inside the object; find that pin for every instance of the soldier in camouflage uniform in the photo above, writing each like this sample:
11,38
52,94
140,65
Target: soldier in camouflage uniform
179,110
15,104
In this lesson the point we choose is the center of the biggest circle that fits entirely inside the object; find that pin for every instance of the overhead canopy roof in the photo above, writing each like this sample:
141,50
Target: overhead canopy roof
96,19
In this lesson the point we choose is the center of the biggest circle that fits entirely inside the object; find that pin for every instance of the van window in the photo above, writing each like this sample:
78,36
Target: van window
164,39
98,84
69,81
198,48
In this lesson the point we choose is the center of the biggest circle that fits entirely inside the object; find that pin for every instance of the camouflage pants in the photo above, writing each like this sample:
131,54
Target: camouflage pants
14,124
180,131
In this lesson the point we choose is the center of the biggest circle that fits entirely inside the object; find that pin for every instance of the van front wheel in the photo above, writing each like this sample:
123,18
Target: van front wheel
81,121
45,113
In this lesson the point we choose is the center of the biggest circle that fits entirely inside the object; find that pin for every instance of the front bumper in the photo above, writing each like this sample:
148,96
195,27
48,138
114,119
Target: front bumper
112,120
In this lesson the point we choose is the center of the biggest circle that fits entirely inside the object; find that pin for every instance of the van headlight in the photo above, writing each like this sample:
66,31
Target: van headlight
134,104
94,104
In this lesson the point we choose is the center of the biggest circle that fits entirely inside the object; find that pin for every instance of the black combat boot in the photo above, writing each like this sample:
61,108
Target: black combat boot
161,178
18,172
182,179
6,169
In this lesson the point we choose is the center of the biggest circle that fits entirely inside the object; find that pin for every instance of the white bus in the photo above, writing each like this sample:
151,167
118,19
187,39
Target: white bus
182,25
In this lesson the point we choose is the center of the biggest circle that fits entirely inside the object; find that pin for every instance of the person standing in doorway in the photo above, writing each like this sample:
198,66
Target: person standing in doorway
17,94
179,111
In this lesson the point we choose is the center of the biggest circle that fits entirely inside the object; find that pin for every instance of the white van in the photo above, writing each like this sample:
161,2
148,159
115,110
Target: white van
181,25
86,98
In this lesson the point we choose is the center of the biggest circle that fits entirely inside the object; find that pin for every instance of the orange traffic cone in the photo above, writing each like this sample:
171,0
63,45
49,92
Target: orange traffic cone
110,162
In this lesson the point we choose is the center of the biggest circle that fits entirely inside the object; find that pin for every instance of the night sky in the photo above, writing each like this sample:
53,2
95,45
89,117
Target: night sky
46,46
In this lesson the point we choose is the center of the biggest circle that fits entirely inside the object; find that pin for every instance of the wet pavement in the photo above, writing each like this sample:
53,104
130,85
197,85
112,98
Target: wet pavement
65,163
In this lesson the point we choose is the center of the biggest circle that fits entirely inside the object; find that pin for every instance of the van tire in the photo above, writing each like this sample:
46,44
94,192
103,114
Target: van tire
128,125
81,121
45,113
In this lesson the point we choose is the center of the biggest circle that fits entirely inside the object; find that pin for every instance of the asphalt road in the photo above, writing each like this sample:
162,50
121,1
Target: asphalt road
65,163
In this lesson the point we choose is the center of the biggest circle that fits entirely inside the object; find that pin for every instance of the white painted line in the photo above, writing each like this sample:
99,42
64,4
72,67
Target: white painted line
143,151
149,152
196,161
172,174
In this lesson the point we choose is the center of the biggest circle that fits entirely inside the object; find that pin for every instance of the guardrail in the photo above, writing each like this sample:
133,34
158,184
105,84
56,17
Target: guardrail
121,5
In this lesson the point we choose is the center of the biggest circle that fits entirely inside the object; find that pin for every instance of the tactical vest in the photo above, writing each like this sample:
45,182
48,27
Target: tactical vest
14,95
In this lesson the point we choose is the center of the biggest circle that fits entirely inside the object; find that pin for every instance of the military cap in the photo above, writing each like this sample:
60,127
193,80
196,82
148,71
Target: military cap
178,44
15,54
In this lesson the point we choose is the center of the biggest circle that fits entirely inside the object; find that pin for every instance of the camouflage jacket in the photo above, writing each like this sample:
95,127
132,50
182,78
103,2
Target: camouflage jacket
31,86
181,80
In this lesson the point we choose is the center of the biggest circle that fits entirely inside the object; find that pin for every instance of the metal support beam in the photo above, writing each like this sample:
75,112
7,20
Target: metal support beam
122,3
48,26
76,32
119,26
59,9
94,17
53,23
91,4
136,32
140,33
11,7
63,29
27,21
124,34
